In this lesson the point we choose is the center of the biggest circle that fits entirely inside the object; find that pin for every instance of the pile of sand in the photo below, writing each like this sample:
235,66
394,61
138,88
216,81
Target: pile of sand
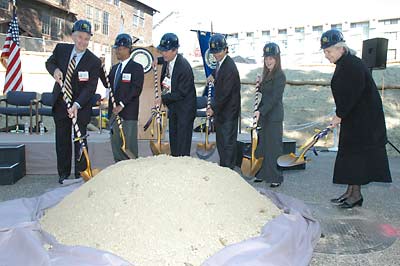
161,211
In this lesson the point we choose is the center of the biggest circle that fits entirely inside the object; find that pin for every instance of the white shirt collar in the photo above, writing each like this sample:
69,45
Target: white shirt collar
172,64
223,59
123,63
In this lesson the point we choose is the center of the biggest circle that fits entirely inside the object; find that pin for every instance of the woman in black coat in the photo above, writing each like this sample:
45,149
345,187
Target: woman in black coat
270,116
362,156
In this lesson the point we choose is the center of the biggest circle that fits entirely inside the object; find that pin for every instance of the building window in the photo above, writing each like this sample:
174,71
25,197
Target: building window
97,19
317,28
390,21
4,4
364,24
116,2
57,25
336,26
299,30
249,34
46,24
138,18
266,33
89,12
234,35
106,18
282,31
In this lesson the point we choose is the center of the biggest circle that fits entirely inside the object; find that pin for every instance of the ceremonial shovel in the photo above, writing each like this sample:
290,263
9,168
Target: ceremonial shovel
205,150
158,147
128,153
250,164
292,159
88,173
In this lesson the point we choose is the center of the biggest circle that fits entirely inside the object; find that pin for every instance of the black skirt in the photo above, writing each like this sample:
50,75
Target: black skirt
361,168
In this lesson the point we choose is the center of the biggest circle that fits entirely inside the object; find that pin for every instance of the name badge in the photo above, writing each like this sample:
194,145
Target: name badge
83,75
126,77
166,84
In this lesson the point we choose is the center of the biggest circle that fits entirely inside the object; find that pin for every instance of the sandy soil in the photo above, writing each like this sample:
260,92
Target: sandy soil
161,210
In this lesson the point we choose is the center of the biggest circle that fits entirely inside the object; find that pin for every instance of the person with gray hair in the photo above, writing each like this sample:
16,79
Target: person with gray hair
361,156
77,68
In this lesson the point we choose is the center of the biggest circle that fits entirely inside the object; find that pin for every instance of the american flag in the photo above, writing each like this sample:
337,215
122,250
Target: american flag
10,57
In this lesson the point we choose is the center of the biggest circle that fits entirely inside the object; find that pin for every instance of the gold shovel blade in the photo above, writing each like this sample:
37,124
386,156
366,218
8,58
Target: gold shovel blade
249,168
205,151
88,174
159,148
290,160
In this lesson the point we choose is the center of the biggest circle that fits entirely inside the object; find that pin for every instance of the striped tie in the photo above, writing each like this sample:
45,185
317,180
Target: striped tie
68,77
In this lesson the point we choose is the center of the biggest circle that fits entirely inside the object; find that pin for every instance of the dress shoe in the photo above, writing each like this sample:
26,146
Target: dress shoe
348,205
257,180
275,184
339,200
61,179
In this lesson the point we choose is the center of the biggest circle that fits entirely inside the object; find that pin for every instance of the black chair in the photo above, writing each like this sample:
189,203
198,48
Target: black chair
21,105
96,108
44,107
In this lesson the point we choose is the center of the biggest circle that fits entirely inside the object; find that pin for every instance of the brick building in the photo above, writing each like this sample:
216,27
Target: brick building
45,22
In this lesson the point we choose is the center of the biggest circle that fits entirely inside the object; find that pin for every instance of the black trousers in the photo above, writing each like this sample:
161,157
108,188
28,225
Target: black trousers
226,136
180,134
64,147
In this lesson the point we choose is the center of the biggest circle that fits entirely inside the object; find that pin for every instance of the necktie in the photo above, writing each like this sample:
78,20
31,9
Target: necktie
68,77
167,73
117,76
217,70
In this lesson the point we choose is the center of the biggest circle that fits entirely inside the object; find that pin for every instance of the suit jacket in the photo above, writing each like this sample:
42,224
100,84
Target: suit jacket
359,105
226,103
82,90
271,106
182,99
127,92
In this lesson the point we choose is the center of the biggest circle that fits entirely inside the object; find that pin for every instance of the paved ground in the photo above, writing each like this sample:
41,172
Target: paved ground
314,186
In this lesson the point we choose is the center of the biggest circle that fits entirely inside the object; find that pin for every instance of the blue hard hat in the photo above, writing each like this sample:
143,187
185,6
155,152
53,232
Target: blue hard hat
123,39
331,37
271,49
168,42
83,26
217,43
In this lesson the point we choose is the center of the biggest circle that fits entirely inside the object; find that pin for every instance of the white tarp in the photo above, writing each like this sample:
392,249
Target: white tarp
287,240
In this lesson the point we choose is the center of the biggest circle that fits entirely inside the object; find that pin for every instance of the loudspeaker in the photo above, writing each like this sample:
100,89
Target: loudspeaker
374,53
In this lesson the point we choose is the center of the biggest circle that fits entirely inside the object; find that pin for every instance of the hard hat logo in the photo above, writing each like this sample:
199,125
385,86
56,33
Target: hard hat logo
83,26
331,37
271,49
168,42
217,43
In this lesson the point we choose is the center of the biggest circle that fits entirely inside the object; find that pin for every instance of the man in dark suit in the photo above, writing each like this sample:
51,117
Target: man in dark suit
126,79
83,85
179,95
226,104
